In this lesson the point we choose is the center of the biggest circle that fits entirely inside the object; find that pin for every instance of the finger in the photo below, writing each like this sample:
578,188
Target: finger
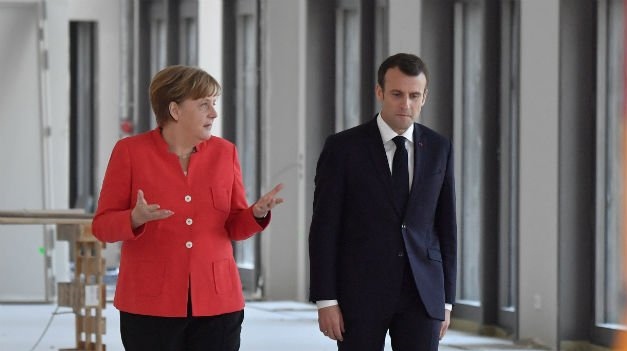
337,332
140,198
161,214
274,191
152,207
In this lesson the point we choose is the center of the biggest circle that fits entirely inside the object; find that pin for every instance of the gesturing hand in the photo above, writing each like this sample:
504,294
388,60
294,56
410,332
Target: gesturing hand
267,202
143,212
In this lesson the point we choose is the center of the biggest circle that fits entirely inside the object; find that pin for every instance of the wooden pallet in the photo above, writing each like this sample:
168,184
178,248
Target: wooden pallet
86,294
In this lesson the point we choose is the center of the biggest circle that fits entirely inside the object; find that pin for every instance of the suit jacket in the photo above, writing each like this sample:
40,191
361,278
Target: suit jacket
358,238
161,258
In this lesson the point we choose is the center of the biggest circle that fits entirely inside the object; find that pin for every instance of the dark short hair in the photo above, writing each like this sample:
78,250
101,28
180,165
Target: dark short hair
177,84
409,64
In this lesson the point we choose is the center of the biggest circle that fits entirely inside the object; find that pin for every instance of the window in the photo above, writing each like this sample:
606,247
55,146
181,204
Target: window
247,128
610,294
468,116
348,67
380,42
188,32
508,161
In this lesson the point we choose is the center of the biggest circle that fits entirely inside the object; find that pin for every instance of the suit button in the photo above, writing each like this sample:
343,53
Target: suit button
403,226
188,198
401,254
189,221
189,244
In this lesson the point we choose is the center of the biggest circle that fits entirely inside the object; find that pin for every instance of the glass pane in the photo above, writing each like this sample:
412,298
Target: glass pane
247,125
191,41
610,299
351,78
469,143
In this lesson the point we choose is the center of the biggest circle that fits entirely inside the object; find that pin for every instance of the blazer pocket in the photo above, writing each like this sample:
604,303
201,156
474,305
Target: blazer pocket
220,198
223,276
434,254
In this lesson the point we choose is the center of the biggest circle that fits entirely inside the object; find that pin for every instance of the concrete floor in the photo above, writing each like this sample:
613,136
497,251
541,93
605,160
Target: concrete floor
268,326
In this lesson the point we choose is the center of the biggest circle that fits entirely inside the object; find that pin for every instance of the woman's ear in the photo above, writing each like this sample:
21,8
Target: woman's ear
174,110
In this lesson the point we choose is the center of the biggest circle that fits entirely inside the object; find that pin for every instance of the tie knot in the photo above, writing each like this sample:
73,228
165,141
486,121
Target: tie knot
399,140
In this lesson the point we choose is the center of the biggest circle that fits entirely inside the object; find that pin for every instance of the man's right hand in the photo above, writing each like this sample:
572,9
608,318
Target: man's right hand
143,212
331,322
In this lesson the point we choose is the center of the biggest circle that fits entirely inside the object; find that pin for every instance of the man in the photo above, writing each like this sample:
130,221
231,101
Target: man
382,242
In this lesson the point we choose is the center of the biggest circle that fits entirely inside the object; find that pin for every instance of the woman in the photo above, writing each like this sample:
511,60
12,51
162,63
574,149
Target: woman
174,197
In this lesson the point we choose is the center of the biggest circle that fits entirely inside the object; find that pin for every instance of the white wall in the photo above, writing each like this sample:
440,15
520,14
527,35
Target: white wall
21,151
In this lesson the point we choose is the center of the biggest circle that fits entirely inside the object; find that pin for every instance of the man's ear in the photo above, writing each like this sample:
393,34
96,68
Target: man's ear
174,110
424,96
378,92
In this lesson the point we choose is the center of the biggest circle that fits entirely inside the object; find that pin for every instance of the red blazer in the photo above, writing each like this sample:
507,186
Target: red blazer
161,258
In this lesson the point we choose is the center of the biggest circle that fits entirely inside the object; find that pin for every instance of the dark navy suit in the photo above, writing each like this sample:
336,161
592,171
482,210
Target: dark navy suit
363,250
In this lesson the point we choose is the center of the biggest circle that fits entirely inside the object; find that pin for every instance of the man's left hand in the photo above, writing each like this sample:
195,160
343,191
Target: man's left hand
445,323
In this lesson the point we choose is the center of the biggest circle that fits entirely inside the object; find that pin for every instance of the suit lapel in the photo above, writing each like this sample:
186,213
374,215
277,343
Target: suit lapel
418,167
380,161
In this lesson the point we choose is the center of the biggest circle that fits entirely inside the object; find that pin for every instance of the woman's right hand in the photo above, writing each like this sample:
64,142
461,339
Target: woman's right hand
144,212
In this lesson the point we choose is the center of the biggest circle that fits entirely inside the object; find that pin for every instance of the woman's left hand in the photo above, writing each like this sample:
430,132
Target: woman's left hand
267,202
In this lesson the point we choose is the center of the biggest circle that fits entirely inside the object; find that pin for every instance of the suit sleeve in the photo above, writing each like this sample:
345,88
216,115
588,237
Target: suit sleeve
326,225
446,227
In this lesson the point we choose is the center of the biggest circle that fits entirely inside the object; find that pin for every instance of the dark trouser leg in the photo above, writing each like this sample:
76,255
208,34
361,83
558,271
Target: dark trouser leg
215,333
411,328
363,333
140,333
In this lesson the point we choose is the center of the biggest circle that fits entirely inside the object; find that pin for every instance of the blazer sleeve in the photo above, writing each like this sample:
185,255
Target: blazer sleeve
446,227
112,221
326,223
241,223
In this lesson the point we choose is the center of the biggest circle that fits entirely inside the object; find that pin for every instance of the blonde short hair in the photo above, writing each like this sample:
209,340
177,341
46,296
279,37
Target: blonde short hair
177,84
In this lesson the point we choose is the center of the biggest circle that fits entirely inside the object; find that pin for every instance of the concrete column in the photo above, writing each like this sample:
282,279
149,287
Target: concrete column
539,146
405,28
210,47
283,137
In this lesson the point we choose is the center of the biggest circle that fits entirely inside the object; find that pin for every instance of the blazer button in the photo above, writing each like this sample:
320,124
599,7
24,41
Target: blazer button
403,226
189,244
189,221
188,198
401,254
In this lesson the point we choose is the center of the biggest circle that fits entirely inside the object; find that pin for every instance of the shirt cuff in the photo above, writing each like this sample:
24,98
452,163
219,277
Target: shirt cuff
448,306
326,303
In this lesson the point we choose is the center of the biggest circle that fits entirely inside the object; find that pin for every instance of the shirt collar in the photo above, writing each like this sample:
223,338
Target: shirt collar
387,133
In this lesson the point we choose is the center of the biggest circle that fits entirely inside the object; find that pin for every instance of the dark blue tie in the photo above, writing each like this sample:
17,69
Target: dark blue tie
400,173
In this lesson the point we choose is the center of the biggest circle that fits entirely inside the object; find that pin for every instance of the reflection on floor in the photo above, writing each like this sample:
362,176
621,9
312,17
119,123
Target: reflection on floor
268,326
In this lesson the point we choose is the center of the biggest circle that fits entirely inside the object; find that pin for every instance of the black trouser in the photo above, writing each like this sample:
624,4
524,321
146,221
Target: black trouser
410,327
215,333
